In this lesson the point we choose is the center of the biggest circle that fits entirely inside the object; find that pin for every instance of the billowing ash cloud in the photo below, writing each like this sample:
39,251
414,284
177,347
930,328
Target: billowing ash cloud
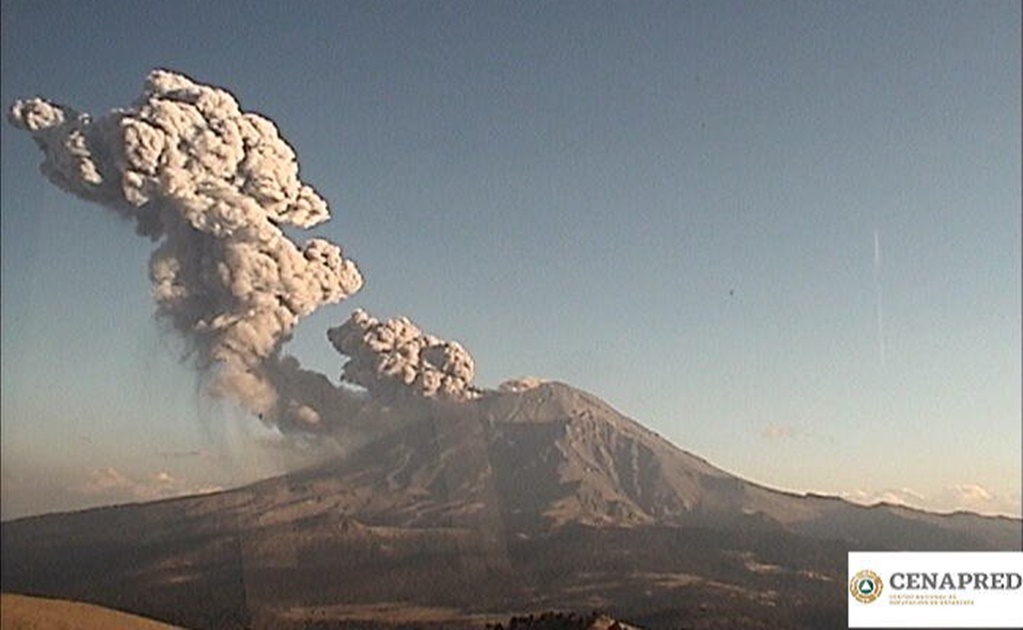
394,358
213,185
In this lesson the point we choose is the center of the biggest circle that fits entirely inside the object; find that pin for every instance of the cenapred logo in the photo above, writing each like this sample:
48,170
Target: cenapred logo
866,586
935,589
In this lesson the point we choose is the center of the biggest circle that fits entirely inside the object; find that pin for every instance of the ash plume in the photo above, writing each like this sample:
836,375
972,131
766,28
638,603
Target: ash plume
395,358
213,185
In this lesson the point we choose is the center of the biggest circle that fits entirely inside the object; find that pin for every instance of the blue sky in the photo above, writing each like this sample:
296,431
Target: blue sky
672,205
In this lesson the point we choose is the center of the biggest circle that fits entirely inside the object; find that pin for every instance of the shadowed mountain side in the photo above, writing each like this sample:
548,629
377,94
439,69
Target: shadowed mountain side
621,473
543,499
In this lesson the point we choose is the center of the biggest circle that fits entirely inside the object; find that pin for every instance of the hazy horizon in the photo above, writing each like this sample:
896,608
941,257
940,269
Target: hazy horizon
785,237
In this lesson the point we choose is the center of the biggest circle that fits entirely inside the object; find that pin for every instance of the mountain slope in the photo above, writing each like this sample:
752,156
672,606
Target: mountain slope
539,499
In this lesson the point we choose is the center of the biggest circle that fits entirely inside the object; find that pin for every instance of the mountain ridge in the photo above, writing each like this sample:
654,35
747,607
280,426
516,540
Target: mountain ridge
538,499
512,418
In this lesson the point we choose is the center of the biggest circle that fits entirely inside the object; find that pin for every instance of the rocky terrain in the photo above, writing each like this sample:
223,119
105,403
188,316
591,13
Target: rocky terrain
471,514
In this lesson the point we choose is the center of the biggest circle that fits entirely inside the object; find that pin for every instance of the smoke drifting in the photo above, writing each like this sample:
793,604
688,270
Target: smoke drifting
394,358
213,185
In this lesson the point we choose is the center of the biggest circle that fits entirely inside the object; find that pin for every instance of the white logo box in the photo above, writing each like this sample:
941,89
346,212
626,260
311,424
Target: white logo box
935,589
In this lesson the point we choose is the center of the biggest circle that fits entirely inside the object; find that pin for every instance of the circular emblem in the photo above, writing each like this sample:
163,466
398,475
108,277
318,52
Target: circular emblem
866,586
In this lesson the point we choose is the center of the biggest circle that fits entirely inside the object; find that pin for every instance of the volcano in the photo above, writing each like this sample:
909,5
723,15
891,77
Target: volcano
542,498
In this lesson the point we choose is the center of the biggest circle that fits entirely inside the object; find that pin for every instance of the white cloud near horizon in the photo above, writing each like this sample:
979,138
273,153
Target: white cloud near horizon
971,497
110,484
779,432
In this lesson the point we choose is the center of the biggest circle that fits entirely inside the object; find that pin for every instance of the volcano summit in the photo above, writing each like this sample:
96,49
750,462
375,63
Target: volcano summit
519,501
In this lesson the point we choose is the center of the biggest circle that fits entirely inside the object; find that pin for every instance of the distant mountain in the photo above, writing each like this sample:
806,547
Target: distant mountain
543,499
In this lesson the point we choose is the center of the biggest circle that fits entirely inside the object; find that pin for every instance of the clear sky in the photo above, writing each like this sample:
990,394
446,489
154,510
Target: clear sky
677,206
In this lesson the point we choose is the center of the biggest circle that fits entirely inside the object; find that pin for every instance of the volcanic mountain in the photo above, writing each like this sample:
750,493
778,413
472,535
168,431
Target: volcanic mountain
466,514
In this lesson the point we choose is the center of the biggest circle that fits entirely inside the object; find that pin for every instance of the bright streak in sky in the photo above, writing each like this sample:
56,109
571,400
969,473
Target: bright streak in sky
880,296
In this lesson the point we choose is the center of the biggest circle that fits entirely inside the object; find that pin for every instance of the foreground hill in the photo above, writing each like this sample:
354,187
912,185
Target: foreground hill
18,612
468,514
